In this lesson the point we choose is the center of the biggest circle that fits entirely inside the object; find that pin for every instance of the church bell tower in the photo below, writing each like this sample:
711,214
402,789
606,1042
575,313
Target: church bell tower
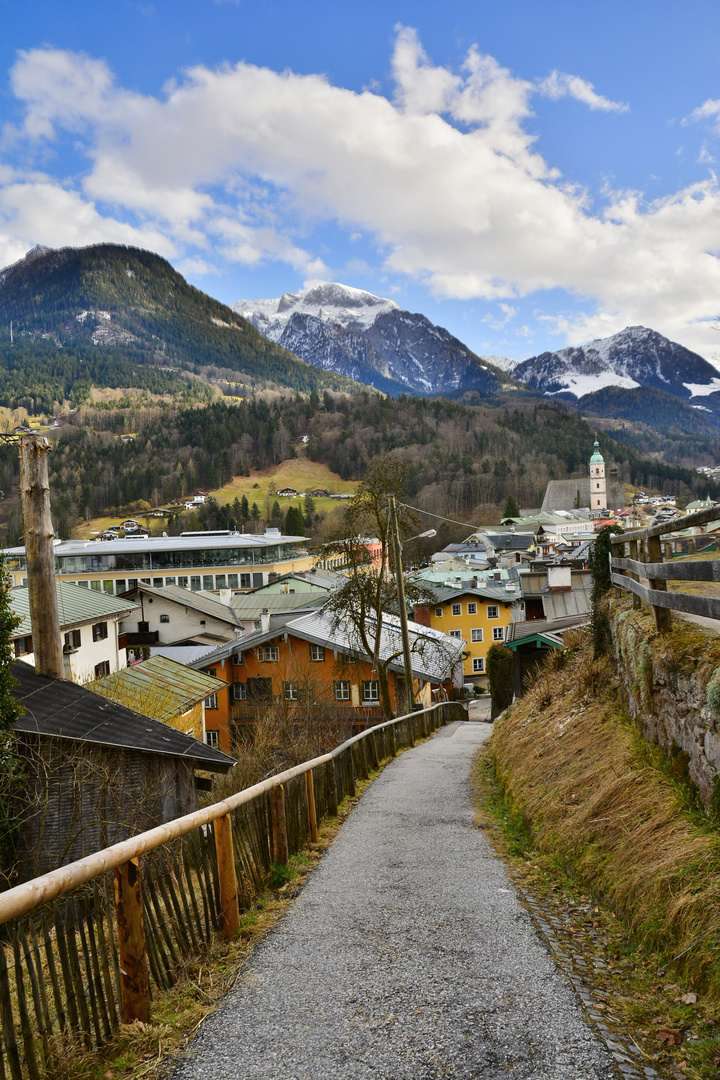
598,484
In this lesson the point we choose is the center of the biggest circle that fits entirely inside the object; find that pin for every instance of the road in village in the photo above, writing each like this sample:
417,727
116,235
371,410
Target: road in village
407,955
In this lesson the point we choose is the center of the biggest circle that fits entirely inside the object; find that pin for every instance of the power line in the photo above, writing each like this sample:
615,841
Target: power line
440,517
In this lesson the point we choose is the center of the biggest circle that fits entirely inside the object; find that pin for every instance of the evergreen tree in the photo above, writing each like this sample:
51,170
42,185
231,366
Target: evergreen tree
511,508
10,710
599,563
309,505
501,677
294,522
244,509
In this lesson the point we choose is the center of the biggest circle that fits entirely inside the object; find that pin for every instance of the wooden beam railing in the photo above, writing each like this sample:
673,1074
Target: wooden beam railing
643,561
84,948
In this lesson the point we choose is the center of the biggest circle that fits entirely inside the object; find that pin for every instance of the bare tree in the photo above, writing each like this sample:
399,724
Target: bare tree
363,602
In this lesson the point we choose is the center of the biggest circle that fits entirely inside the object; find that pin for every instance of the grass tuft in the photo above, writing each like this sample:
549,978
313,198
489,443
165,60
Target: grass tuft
620,811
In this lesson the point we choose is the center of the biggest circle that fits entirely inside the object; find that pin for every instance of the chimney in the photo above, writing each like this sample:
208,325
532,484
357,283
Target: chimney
264,620
39,536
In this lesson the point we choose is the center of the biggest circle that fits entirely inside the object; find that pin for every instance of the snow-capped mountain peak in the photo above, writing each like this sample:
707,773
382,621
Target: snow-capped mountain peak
328,301
636,356
371,339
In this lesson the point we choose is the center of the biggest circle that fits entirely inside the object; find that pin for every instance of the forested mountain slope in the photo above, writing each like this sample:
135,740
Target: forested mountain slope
463,460
108,314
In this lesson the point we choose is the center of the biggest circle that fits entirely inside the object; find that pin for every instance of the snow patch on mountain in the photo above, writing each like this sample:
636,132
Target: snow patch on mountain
589,384
504,363
703,389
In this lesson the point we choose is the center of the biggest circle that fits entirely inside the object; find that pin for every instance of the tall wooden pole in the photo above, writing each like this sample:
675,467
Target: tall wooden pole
402,609
39,536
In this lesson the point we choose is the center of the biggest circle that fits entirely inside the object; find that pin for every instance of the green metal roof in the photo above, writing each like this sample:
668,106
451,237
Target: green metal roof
75,605
158,687
597,458
250,605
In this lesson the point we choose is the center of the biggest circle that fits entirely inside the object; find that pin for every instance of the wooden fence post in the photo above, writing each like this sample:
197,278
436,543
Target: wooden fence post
393,745
312,810
227,877
351,771
331,788
134,983
636,601
663,616
279,825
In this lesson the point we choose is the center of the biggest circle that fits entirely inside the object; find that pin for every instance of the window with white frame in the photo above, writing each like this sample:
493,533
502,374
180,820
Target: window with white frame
371,690
164,618
269,653
290,691
211,701
238,659
493,611
212,738
472,608
455,633
456,609
478,664
342,689
317,652
239,691
438,612
498,633
476,634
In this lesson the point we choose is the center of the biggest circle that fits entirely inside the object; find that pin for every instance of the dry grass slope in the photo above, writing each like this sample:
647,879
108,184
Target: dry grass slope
619,811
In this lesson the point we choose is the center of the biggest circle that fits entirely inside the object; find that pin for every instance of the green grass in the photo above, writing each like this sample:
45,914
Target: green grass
636,990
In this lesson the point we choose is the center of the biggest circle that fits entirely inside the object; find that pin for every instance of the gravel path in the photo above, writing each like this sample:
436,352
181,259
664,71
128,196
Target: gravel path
407,955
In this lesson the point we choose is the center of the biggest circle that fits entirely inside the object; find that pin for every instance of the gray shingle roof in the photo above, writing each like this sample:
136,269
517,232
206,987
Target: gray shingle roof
433,653
69,711
503,591
196,601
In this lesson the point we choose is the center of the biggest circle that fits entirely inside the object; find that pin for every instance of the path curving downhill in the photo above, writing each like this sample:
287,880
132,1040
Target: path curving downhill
406,956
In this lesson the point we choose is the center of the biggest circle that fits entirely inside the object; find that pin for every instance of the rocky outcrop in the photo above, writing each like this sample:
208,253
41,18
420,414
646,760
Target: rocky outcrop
671,686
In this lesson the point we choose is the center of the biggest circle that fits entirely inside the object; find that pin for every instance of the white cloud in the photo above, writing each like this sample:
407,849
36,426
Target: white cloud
244,163
559,84
709,110
39,210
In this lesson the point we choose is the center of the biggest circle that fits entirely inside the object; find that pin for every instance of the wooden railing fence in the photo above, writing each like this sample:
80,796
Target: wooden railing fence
84,948
642,560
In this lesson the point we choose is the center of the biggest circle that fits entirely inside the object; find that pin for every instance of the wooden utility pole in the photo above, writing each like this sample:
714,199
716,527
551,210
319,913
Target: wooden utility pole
402,609
39,536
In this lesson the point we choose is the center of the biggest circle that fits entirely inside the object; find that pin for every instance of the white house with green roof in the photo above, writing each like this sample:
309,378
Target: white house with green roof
90,627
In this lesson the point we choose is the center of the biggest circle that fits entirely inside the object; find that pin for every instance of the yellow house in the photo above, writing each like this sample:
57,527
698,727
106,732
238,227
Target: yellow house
479,615
165,690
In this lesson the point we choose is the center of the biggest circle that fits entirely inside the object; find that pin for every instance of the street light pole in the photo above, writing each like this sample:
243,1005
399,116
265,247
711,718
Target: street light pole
405,634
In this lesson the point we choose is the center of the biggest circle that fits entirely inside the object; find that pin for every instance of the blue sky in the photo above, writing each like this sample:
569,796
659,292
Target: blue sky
529,174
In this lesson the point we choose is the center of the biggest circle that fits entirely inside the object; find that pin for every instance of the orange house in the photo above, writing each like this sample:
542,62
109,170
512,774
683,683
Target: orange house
311,661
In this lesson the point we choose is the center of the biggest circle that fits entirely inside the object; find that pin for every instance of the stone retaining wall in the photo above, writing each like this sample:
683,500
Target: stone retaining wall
669,700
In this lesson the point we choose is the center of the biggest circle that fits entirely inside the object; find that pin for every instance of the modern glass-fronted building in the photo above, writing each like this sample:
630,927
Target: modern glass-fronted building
202,562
